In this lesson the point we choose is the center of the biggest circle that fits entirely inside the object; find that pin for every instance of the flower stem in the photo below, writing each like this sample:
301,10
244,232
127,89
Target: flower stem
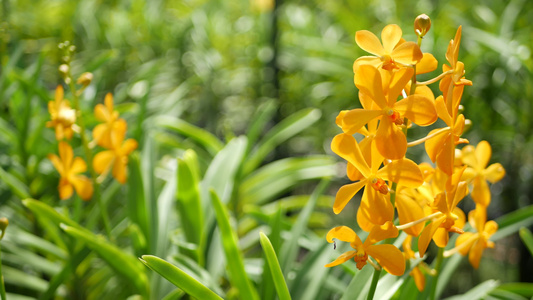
433,80
374,284
429,136
424,219
88,154
2,287
438,265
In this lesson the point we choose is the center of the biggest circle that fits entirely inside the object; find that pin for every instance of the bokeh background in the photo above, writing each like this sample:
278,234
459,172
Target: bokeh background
216,63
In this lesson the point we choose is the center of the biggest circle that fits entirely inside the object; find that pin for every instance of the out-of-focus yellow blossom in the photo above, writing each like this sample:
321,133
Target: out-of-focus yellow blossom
107,133
388,256
476,242
62,115
394,53
69,168
452,218
116,158
477,158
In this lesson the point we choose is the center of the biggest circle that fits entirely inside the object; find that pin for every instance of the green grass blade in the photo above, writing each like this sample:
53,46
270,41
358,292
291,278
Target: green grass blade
286,129
289,251
179,278
275,269
527,238
272,180
137,207
478,292
524,289
17,186
359,285
234,260
189,203
262,115
122,262
512,222
210,142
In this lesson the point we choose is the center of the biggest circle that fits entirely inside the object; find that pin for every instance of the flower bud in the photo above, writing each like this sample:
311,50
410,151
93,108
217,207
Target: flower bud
468,125
3,225
85,78
422,25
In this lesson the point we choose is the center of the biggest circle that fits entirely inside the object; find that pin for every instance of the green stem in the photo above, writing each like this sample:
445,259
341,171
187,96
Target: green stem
2,287
374,284
88,154
433,290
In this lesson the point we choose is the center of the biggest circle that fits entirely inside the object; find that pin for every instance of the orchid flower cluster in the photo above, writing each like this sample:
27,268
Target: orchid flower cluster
109,134
424,196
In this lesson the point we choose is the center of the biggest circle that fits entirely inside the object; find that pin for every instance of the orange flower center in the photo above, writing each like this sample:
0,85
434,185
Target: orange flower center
379,185
395,117
388,62
360,259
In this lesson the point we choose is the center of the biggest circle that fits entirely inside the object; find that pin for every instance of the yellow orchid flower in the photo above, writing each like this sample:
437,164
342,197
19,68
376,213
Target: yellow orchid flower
390,140
452,218
477,158
69,168
107,133
441,146
374,208
456,78
63,116
392,54
476,242
116,158
388,256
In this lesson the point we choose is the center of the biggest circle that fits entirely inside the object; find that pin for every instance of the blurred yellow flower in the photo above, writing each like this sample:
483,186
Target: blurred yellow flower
477,158
107,133
69,167
388,256
116,158
475,243
62,115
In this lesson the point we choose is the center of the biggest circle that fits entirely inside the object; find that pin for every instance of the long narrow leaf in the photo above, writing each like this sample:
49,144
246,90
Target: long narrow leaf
122,262
527,238
201,136
280,133
275,269
179,278
238,276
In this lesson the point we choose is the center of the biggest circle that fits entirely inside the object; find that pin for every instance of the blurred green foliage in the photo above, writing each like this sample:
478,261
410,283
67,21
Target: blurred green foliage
227,66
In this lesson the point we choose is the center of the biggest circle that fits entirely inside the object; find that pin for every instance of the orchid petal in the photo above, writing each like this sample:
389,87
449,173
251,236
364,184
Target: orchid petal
389,257
368,81
345,194
390,140
407,53
427,64
345,146
342,258
369,42
390,36
417,108
403,171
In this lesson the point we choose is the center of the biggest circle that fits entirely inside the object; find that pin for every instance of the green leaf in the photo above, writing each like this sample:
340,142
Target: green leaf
478,292
275,269
189,203
277,177
44,210
289,251
122,262
259,120
137,204
512,222
522,288
179,278
201,136
286,129
18,187
359,284
234,260
527,238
